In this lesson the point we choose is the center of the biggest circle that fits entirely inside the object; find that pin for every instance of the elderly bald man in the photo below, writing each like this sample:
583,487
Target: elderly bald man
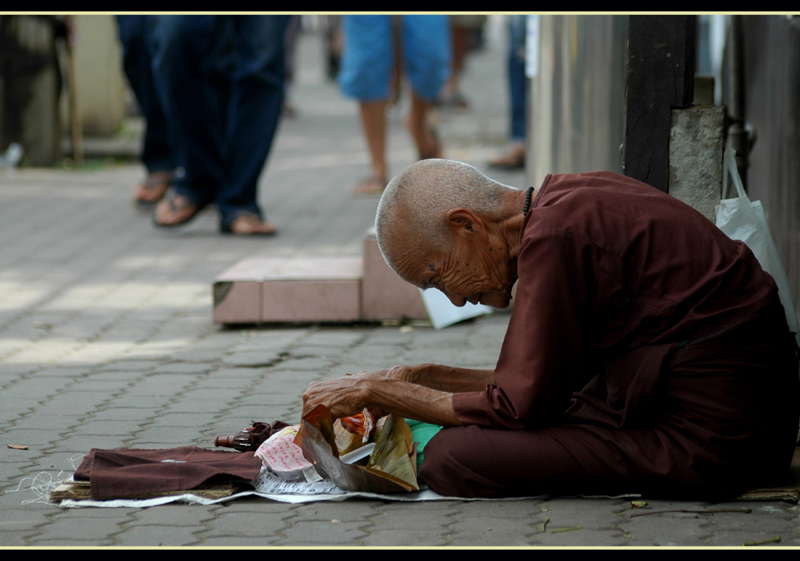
646,351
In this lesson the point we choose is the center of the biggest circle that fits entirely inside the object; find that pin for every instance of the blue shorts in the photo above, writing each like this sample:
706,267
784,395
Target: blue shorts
368,55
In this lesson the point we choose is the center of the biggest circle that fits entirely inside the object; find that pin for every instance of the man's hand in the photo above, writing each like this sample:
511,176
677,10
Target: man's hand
343,396
382,391
347,395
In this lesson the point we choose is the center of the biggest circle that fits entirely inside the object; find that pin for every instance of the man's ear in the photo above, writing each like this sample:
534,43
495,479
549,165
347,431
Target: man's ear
462,221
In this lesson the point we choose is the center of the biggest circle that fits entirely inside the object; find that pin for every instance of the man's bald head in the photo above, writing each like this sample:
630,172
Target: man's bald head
411,217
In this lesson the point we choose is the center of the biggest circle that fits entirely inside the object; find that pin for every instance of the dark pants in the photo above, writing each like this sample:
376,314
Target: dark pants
220,80
517,81
135,34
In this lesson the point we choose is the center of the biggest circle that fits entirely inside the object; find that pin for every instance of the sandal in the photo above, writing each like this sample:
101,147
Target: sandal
181,208
372,185
453,102
147,194
250,224
514,159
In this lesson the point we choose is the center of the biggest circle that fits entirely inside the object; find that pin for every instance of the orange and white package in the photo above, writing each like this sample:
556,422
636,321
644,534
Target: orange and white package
360,424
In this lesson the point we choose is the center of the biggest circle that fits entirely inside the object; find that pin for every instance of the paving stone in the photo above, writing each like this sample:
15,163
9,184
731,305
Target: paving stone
126,414
102,428
252,358
177,515
668,530
580,538
43,437
227,377
267,399
168,419
240,417
158,535
336,338
332,533
83,443
83,527
419,537
140,401
308,364
248,528
130,365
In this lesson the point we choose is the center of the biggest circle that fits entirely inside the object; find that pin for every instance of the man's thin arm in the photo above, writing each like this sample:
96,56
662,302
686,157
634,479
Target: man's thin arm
411,401
446,378
422,392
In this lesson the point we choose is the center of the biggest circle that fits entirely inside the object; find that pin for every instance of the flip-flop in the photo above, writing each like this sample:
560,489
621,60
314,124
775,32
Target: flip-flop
249,224
177,203
150,191
372,185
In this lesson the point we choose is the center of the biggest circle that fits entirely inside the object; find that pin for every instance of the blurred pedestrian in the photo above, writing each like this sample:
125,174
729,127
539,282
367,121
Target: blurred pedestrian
332,45
368,59
220,79
135,34
514,157
293,30
463,28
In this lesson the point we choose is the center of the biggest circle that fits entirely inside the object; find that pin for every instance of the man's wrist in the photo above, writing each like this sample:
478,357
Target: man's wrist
401,373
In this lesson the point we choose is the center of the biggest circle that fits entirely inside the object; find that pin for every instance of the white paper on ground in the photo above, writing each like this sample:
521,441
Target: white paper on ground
442,312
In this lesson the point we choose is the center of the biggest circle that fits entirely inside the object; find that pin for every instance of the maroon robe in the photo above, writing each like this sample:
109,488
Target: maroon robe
647,352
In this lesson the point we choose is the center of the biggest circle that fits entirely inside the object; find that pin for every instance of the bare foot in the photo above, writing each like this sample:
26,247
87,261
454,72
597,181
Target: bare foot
372,185
513,159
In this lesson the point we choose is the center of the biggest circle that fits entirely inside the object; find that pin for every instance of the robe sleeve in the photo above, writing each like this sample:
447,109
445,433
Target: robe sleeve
543,357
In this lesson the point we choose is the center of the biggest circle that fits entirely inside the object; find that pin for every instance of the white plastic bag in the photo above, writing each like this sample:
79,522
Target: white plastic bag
742,219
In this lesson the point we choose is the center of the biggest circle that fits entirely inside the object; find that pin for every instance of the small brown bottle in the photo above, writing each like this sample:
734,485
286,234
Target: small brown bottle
250,438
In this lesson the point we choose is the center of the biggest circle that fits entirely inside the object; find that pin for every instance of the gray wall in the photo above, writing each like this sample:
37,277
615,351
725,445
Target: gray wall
576,100
772,70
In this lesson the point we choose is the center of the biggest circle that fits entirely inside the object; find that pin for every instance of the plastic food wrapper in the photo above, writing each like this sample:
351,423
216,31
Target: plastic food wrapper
283,457
390,468
361,424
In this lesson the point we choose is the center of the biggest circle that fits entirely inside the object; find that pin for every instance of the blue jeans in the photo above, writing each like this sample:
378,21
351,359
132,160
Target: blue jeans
516,77
135,34
221,83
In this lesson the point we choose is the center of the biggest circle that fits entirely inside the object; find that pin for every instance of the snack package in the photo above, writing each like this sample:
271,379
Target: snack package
283,457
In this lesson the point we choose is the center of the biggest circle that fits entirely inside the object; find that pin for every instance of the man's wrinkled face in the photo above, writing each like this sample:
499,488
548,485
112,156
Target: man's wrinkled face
472,272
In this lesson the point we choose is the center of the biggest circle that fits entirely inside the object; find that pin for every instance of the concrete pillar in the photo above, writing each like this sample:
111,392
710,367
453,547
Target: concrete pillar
99,77
576,99
29,88
696,146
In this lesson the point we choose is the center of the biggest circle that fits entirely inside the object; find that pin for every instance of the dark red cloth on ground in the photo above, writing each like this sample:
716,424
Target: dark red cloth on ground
646,352
129,472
